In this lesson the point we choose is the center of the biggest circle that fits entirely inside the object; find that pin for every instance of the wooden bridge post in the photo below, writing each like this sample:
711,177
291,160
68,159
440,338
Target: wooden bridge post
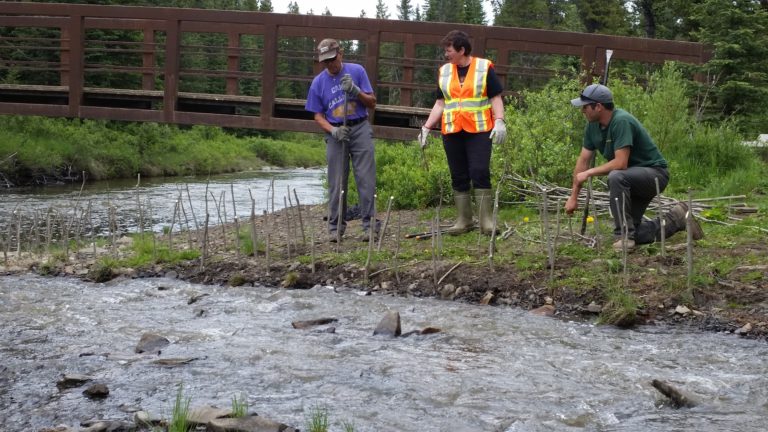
372,61
269,72
73,41
588,56
148,60
233,62
171,78
406,93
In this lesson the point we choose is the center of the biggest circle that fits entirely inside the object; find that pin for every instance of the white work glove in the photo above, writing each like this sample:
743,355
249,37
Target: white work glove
349,87
340,133
499,132
423,135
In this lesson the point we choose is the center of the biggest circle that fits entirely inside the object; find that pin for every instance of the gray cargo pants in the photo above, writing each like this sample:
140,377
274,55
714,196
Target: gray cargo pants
360,150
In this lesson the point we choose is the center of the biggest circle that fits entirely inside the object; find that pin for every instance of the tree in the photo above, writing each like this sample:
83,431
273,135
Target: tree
404,10
523,13
473,12
737,30
449,11
381,10
266,6
603,16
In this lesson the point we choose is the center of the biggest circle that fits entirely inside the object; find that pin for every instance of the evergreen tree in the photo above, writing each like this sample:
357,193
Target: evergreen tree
473,12
449,11
523,13
603,16
266,6
405,10
737,30
381,10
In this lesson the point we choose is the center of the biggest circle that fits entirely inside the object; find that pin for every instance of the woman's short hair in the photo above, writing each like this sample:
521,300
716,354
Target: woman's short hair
458,40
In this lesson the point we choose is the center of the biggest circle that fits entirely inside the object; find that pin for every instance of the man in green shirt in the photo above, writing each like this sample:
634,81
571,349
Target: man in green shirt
633,164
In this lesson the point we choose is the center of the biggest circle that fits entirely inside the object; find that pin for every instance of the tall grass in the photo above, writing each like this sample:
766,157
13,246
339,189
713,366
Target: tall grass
53,147
180,412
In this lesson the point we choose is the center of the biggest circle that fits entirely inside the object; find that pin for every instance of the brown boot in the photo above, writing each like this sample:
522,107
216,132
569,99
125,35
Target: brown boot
676,221
464,221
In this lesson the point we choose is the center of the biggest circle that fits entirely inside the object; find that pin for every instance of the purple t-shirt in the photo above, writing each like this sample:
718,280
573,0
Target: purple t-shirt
325,94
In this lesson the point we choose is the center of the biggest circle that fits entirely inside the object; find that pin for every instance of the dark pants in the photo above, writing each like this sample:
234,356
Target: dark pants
469,159
635,188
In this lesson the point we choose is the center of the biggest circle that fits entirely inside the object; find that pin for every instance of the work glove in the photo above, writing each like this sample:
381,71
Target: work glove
423,135
340,133
499,132
349,86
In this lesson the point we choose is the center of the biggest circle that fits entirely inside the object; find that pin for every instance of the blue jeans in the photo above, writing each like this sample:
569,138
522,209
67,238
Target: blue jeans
631,191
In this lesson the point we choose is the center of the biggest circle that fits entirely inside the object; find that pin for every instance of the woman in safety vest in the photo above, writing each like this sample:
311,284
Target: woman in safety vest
471,111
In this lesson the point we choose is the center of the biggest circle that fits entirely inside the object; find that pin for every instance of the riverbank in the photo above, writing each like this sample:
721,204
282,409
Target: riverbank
727,291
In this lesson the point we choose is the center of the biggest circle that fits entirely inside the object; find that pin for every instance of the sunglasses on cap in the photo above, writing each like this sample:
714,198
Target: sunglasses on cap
330,60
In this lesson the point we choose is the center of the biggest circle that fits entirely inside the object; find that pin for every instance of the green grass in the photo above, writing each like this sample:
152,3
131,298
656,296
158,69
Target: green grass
239,406
318,419
180,412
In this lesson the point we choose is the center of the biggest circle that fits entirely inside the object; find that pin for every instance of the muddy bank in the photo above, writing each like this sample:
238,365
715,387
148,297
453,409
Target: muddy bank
293,251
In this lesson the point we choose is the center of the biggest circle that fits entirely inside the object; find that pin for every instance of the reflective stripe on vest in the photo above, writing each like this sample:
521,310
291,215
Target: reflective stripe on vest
467,106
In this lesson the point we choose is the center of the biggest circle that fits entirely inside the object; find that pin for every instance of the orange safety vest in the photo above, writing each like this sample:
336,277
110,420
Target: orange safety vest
467,106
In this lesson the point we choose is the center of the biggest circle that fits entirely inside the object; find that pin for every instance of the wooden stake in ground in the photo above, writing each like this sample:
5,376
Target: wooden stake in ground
266,240
254,239
386,222
288,231
301,220
662,219
689,240
237,224
204,255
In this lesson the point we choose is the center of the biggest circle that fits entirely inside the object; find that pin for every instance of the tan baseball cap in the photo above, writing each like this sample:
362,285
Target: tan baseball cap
327,49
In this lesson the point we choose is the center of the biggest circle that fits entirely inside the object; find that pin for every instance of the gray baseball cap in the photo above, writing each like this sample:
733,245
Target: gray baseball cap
327,49
592,94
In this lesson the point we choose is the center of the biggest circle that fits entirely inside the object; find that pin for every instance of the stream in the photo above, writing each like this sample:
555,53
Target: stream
489,369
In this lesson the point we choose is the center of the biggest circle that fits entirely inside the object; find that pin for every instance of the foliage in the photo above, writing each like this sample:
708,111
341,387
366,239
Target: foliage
180,412
318,419
239,406
60,148
738,32
544,134
147,250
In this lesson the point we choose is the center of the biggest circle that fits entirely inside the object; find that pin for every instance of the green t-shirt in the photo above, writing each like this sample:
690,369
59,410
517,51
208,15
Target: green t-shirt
624,130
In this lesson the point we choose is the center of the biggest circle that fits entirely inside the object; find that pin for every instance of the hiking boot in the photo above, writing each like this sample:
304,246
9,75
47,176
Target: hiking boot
365,236
618,245
333,238
677,222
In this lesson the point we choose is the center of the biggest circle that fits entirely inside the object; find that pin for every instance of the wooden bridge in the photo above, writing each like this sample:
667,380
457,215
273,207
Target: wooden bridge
263,63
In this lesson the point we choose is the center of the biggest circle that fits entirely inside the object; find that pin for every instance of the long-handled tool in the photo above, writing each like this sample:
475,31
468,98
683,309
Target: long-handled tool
608,55
343,164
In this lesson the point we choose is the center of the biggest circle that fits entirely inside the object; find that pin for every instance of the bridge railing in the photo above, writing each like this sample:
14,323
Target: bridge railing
252,69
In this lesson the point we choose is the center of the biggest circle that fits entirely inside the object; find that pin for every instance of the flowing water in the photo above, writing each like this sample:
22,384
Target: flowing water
150,204
489,369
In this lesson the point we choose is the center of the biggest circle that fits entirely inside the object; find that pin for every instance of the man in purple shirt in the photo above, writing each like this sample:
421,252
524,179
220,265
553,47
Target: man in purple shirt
348,135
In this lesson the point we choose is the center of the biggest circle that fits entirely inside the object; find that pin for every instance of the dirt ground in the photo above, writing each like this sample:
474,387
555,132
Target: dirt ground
459,269
736,303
